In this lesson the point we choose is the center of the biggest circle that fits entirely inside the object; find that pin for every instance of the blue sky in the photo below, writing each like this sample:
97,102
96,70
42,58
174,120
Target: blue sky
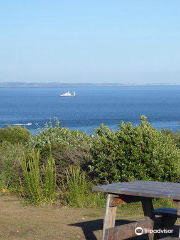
98,41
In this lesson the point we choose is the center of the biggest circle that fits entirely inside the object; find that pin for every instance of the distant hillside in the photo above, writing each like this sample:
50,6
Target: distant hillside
57,84
34,84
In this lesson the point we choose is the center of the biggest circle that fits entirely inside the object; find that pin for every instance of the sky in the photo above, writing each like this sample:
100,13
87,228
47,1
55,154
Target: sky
92,41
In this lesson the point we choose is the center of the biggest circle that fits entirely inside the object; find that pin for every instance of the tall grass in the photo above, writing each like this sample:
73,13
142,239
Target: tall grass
77,190
9,165
49,172
38,183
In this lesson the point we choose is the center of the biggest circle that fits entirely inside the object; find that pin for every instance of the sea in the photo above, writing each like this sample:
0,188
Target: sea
34,107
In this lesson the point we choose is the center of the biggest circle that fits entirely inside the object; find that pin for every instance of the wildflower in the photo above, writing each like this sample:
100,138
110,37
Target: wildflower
4,190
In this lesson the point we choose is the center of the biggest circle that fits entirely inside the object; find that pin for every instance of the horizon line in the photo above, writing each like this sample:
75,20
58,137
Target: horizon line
36,84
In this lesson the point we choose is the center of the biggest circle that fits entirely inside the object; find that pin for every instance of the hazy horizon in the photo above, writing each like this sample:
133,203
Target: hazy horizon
57,84
90,41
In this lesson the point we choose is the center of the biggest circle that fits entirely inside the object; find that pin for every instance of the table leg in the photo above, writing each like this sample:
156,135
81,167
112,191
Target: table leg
168,222
110,215
148,210
178,214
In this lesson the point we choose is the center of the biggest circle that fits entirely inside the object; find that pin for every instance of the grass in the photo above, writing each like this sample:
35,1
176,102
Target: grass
77,190
136,208
39,182
25,222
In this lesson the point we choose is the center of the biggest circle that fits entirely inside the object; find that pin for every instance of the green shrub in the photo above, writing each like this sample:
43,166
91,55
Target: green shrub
10,169
53,135
14,135
58,157
67,147
174,136
140,152
39,182
77,190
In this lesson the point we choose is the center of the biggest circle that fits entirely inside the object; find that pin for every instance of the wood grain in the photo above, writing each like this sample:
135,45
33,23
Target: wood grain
149,189
110,216
127,230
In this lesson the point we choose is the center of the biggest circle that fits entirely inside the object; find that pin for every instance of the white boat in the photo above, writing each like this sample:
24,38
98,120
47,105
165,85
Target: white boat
68,94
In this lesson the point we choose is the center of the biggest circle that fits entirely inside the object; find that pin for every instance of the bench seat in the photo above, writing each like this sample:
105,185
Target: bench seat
166,211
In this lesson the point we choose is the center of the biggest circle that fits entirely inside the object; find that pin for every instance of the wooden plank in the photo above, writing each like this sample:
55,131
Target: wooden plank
122,199
110,215
127,230
151,184
140,193
154,186
117,189
144,186
169,217
165,211
148,210
156,183
168,221
158,222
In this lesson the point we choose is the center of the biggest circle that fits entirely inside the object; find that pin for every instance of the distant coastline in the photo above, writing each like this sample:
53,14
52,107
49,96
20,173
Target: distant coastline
57,84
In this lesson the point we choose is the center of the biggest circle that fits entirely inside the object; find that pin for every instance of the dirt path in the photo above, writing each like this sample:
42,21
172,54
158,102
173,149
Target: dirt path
20,222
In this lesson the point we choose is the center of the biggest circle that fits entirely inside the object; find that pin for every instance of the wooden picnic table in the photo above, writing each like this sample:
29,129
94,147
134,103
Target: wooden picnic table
144,191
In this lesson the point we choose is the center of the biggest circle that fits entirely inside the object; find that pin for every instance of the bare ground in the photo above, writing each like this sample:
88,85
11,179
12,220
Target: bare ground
24,222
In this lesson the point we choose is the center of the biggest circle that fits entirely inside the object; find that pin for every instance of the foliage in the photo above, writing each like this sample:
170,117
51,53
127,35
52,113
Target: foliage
10,169
174,136
53,135
67,147
14,135
77,190
139,152
71,162
38,183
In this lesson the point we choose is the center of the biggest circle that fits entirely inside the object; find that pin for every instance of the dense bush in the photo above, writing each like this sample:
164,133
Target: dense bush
10,169
130,153
66,147
174,136
53,135
70,162
14,135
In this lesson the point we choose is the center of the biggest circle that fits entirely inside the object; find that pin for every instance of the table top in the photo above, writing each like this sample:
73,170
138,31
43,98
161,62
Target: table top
149,189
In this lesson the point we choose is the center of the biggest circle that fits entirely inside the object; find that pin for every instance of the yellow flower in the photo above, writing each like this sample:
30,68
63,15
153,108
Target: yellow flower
4,190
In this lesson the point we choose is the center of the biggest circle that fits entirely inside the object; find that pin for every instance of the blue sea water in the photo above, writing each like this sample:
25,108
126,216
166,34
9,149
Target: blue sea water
92,106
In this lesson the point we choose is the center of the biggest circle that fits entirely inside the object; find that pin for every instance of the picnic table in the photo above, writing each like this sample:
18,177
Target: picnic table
145,192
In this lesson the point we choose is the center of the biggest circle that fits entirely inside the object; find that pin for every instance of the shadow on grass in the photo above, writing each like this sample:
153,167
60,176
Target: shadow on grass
90,227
